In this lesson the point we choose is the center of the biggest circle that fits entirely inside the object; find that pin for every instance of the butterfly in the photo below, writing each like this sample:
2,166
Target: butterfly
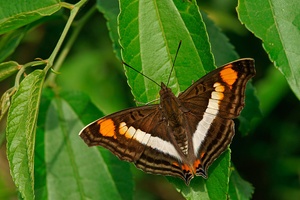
181,136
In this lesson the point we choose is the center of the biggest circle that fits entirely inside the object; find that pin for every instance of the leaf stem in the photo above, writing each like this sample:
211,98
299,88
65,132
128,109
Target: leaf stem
69,44
23,68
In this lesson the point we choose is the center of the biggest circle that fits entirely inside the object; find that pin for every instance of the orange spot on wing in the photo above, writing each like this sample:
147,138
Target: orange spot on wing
107,128
196,164
185,167
228,75
202,154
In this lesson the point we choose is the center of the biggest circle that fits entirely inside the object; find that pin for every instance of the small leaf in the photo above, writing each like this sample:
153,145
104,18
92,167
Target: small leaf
17,13
7,69
20,132
239,189
5,102
277,24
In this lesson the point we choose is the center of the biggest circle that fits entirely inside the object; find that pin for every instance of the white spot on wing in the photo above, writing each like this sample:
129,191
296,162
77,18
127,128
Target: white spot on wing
211,111
208,117
146,139
150,141
163,146
201,131
213,103
139,135
130,132
217,95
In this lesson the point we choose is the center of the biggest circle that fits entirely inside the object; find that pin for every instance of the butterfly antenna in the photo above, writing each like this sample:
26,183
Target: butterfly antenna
140,73
174,62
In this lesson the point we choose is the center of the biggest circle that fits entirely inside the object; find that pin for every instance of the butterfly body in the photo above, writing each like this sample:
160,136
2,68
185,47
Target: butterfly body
182,135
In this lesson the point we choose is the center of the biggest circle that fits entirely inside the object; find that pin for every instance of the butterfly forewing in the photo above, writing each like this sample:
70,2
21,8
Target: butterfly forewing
137,135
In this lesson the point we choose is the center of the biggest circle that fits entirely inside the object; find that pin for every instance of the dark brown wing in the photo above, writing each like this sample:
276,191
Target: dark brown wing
211,103
138,135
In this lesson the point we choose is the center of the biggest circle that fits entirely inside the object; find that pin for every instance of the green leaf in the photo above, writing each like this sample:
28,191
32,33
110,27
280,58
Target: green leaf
150,33
238,188
217,183
277,24
7,69
222,50
70,163
20,132
119,170
17,13
40,186
82,106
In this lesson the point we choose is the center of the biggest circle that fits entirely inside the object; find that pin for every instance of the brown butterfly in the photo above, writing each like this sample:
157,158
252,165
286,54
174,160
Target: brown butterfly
182,135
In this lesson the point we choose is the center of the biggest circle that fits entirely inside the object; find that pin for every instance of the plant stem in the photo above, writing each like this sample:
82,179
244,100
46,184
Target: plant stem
65,51
23,68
